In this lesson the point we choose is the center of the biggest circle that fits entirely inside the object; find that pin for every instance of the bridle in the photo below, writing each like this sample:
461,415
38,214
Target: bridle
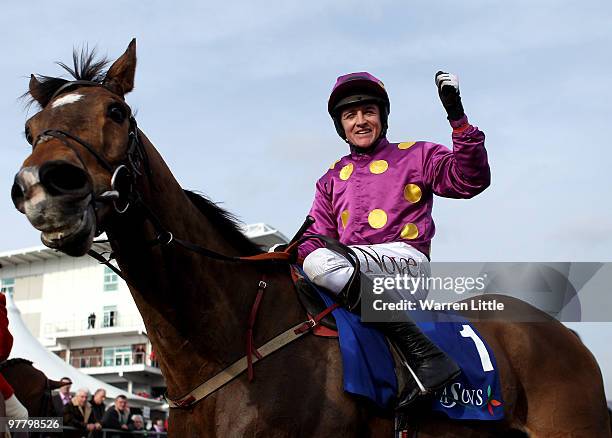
123,194
124,174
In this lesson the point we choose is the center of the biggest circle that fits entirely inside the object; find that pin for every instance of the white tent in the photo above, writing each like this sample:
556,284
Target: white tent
25,345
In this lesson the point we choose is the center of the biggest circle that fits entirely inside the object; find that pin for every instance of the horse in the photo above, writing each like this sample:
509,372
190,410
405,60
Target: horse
32,388
91,170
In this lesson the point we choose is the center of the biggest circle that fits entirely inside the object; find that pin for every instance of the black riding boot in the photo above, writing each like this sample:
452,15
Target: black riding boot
431,365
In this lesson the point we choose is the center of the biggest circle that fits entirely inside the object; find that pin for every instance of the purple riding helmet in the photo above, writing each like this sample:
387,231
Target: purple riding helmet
361,87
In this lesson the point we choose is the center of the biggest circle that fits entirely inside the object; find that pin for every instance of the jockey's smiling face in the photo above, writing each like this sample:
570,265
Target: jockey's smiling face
361,124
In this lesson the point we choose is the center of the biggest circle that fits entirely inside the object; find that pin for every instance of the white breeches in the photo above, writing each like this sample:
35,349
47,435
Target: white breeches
332,271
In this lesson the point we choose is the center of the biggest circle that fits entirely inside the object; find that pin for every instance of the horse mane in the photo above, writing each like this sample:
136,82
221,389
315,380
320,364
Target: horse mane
86,66
12,362
224,220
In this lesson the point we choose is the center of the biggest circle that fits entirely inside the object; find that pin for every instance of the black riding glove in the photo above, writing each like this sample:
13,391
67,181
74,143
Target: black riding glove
448,89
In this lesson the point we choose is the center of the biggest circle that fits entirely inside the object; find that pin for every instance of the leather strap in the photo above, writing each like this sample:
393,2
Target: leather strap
250,349
234,370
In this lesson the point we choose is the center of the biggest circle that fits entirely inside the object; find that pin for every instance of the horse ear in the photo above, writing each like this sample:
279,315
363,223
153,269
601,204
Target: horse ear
55,384
120,76
37,93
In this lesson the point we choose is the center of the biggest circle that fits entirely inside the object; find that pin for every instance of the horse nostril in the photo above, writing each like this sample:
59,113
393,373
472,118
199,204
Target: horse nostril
17,196
63,178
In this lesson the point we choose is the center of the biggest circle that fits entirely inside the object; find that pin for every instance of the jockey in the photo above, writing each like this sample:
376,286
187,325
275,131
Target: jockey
13,407
378,199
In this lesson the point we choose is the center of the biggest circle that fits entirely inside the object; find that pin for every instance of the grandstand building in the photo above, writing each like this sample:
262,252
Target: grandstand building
84,313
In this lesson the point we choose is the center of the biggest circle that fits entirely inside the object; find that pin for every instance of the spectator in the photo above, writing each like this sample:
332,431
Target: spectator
91,320
77,414
98,408
159,426
62,398
116,417
139,354
137,424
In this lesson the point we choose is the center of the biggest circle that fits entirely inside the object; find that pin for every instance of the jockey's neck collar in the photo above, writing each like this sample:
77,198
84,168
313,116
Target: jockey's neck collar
370,149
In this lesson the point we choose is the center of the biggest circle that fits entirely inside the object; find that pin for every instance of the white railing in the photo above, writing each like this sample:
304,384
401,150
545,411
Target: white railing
97,360
82,325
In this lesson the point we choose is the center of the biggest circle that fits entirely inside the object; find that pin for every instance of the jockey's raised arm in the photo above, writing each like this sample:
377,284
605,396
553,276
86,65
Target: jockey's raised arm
379,199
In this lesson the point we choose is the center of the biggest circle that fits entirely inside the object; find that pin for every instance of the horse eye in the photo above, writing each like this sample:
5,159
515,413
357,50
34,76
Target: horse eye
28,135
116,113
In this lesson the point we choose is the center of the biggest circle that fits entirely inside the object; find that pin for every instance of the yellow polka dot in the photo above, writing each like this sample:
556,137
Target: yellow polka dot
378,166
406,144
412,193
344,217
334,165
377,218
410,231
346,171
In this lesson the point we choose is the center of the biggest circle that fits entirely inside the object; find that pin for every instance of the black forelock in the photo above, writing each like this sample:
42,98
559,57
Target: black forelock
86,66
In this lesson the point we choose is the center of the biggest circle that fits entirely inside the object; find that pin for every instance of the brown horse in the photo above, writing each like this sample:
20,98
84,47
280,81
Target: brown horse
196,307
32,387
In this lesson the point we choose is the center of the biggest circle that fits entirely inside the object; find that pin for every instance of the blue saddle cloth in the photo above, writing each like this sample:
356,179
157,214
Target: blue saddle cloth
369,369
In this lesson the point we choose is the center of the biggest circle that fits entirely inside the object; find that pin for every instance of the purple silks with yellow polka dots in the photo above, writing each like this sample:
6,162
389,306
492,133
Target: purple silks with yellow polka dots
387,195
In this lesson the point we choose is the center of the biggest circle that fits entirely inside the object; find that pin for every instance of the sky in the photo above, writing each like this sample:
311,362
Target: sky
234,94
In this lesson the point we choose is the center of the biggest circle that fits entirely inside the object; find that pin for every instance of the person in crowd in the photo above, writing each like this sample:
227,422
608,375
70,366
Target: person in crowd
116,417
78,414
12,405
62,397
97,409
137,424
158,426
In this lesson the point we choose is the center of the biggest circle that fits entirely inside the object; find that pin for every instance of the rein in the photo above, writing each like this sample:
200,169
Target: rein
123,196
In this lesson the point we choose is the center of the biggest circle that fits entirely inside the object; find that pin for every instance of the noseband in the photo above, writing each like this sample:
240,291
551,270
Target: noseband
124,174
123,183
123,194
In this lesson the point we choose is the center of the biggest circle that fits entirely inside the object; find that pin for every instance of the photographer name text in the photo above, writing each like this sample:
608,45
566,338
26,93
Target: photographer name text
430,304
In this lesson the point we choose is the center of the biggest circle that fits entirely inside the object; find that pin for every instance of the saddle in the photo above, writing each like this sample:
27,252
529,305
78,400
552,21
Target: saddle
313,304
349,297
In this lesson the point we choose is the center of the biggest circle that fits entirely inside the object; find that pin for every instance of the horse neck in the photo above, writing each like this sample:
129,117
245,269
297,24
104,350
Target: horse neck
194,308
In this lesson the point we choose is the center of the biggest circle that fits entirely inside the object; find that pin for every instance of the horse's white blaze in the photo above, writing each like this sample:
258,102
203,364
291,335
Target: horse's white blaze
30,181
37,196
67,99
29,176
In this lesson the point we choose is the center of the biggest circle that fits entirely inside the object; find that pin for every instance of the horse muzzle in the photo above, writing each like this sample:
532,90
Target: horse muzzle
57,200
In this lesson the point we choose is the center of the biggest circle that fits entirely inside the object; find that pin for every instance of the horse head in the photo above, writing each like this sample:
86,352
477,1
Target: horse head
84,145
32,387
55,384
